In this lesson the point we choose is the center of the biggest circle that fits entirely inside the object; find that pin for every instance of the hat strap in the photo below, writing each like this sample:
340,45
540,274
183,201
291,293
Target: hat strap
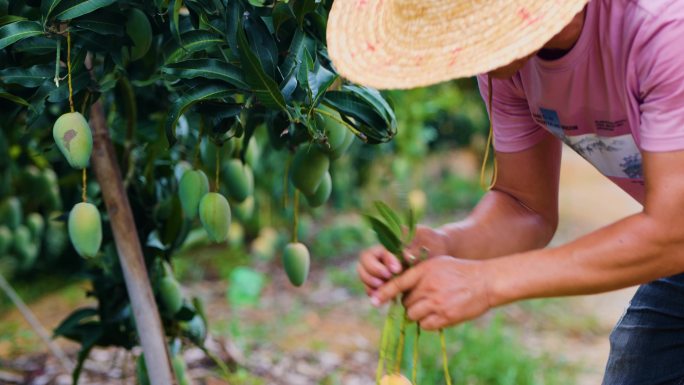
490,143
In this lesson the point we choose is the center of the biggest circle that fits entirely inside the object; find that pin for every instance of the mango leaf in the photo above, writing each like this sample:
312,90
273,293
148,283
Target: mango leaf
319,82
281,14
294,55
391,218
208,69
14,98
375,99
262,44
71,9
103,23
9,19
14,32
301,7
372,125
386,236
36,45
264,87
174,11
27,77
182,104
193,41
47,6
411,220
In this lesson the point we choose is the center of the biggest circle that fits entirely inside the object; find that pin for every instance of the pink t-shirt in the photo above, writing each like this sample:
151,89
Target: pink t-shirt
618,92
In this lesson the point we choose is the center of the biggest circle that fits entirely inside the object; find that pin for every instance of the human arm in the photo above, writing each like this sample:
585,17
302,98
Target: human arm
634,250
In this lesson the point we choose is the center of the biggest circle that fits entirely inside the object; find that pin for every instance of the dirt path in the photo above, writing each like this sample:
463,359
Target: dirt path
589,201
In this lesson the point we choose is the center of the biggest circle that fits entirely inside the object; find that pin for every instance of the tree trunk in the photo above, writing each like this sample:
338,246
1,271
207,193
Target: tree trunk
130,253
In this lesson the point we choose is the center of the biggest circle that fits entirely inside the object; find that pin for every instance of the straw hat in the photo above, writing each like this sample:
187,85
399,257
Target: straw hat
411,43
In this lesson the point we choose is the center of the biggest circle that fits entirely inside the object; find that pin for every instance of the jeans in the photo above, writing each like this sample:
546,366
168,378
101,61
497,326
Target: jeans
647,344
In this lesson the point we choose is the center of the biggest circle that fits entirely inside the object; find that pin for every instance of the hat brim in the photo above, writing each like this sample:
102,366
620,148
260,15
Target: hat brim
394,44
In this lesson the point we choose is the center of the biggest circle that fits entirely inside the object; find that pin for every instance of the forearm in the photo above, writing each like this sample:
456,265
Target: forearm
499,225
635,250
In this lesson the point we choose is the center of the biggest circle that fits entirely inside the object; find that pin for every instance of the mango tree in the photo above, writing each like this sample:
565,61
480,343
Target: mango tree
167,95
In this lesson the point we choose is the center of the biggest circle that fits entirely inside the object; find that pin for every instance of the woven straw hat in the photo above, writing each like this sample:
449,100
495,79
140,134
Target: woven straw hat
410,43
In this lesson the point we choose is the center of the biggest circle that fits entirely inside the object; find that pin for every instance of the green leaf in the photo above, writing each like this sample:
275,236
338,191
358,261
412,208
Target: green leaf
208,69
262,44
187,100
27,77
264,87
15,99
47,6
174,10
391,217
301,7
281,14
72,9
36,45
411,225
370,122
9,19
386,236
375,99
193,41
103,23
14,32
69,325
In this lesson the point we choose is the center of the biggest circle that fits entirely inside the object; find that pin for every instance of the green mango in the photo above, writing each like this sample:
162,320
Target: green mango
214,212
25,247
55,237
339,137
5,240
322,193
36,224
239,180
85,229
308,168
74,139
11,213
245,209
138,28
49,183
171,294
209,151
296,260
192,187
253,152
195,329
141,371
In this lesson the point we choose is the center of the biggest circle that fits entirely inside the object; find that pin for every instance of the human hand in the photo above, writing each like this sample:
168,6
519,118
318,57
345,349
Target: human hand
377,265
440,292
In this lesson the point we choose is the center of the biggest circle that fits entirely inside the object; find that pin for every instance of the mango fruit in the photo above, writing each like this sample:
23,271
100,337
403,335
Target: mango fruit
25,246
171,294
192,187
245,209
253,152
74,139
11,213
209,151
394,379
308,168
35,224
322,193
138,28
239,180
85,229
214,212
339,138
195,329
296,260
5,240
55,237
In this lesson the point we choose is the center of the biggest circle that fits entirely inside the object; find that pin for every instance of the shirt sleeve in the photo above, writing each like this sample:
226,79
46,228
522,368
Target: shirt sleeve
514,128
660,72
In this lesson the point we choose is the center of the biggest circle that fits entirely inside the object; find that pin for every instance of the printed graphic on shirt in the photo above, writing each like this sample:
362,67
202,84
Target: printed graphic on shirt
614,156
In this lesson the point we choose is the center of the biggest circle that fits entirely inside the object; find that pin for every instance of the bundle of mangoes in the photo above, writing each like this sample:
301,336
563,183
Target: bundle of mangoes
396,235
74,139
23,236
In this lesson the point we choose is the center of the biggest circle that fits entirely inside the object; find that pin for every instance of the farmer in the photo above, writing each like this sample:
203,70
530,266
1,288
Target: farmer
605,77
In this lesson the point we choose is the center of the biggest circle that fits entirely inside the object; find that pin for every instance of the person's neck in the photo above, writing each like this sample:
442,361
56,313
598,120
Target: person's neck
565,40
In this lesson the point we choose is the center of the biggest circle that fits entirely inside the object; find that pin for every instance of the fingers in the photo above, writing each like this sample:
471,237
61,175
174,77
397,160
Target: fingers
433,322
374,262
369,280
419,311
397,286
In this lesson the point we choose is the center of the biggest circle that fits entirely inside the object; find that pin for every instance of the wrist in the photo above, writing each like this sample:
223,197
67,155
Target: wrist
500,282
